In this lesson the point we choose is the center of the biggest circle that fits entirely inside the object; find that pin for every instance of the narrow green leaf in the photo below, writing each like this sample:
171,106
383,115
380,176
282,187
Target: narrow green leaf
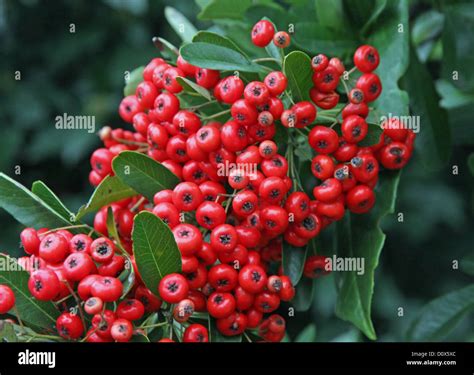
27,208
434,139
441,315
293,259
297,67
143,174
180,24
308,334
210,56
376,12
304,294
452,97
38,313
221,9
110,190
41,190
134,79
427,26
192,87
217,39
7,332
167,49
467,264
360,236
155,249
373,135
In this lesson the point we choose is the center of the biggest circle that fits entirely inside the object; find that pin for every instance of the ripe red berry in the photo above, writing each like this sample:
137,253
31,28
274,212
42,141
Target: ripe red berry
53,248
252,278
230,89
220,305
208,138
267,149
328,191
222,277
69,326
262,33
256,93
185,67
78,265
168,213
210,214
187,196
173,288
319,62
129,107
102,250
130,309
394,129
7,299
80,243
93,305
297,204
206,78
121,330
166,106
274,219
360,199
188,238
370,85
234,134
146,94
267,302
196,333
305,113
354,129
30,241
324,100
323,140
275,82
108,289
315,266
326,80
223,238
364,167
395,155
322,167
366,58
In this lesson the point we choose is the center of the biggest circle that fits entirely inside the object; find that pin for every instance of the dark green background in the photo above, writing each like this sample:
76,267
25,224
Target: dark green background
83,73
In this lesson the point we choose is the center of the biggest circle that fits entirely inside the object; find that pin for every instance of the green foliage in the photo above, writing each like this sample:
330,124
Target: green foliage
145,175
297,68
155,249
293,259
37,313
441,315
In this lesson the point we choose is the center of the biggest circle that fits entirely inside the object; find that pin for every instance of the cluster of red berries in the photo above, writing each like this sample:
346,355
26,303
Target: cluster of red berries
229,224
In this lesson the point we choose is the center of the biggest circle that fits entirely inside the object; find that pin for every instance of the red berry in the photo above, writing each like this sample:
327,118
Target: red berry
244,112
30,241
366,58
275,82
220,305
210,214
252,278
360,199
319,62
121,330
187,196
196,333
281,39
206,78
173,288
315,266
323,140
354,129
322,167
188,238
102,250
130,309
230,89
53,248
69,326
222,277
395,155
78,265
370,85
262,33
223,238
328,191
146,94
326,80
93,305
7,299
108,289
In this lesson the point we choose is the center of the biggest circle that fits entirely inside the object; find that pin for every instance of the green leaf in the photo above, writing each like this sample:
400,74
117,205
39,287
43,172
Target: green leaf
434,139
217,39
379,6
427,26
38,313
211,56
304,294
315,38
220,9
470,163
136,76
155,249
42,191
360,236
329,13
452,97
216,336
441,315
167,49
393,47
297,68
308,334
180,24
293,259
467,264
458,49
143,174
192,87
110,190
27,208
7,332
